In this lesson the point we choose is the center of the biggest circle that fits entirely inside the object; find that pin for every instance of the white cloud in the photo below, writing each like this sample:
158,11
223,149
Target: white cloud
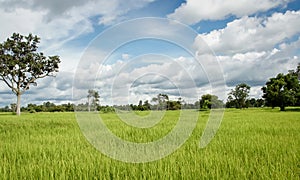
57,22
253,33
250,49
180,77
56,90
20,20
255,68
194,11
133,80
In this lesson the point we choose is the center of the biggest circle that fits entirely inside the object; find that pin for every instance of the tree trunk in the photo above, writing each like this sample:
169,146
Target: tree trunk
18,108
282,108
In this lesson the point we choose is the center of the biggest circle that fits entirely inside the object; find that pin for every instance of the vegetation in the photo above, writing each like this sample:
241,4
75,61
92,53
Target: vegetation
21,65
283,90
93,99
209,101
250,144
238,95
161,101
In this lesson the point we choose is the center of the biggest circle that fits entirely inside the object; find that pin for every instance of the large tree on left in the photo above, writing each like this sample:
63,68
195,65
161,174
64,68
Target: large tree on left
21,64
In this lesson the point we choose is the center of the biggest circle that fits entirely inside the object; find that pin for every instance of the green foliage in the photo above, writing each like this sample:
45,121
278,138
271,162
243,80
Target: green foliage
49,107
161,101
238,96
93,99
5,109
282,91
173,105
209,101
251,144
106,109
21,65
147,105
255,102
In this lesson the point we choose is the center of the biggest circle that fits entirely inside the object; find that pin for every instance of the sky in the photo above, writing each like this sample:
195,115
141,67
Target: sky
133,50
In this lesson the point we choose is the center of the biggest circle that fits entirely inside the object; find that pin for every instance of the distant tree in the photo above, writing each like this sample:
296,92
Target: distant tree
96,99
180,100
140,103
251,102
21,65
5,109
173,105
282,91
296,72
89,96
259,103
13,107
155,100
69,107
209,101
255,102
231,103
205,101
161,101
164,98
147,105
239,95
93,99
107,109
140,106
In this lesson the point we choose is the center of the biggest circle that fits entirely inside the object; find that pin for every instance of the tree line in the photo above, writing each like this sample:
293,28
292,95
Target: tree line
21,65
280,91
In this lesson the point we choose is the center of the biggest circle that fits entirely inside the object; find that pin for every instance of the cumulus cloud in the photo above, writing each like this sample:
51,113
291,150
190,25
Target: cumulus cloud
250,49
130,81
57,22
253,49
56,90
255,68
253,33
194,11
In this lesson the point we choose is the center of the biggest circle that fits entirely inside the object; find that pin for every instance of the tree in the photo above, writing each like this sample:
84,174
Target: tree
93,99
155,100
164,99
147,105
297,74
161,101
230,102
209,101
173,105
96,99
259,103
282,91
21,65
239,95
13,107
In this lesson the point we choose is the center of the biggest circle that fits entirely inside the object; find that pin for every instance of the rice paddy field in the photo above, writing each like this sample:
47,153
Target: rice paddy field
250,144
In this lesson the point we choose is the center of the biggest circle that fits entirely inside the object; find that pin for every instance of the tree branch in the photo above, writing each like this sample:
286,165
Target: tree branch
28,84
14,90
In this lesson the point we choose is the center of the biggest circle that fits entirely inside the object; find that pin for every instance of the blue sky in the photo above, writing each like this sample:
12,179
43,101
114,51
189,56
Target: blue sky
249,41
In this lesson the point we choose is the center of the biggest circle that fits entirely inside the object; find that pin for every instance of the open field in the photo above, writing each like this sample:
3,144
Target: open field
250,144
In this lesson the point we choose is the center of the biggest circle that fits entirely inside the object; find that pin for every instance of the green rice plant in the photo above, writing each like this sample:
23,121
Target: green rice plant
250,144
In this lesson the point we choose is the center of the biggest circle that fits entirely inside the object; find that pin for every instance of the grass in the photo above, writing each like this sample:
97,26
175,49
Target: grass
250,144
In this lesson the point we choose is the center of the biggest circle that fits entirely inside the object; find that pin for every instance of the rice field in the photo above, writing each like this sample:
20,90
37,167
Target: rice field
250,144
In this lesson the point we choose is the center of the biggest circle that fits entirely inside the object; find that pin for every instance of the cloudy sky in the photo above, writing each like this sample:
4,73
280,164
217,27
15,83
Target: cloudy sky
202,47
